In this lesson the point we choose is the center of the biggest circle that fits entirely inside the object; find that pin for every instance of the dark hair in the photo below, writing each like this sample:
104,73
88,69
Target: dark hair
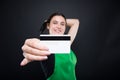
44,25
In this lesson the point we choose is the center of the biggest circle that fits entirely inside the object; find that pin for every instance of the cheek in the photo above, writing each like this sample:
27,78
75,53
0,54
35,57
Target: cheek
52,28
64,28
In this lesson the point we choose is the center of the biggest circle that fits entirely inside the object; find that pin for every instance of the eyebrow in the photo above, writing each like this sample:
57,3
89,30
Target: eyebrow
58,21
63,22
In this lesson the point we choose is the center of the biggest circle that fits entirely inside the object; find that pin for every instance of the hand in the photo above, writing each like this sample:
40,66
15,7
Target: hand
33,50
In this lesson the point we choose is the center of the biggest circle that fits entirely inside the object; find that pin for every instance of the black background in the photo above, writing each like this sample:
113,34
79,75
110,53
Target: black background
97,45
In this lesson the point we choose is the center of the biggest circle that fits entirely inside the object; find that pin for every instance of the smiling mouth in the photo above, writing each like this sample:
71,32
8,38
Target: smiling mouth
58,30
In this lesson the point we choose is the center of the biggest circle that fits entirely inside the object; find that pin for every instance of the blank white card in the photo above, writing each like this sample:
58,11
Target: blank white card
57,44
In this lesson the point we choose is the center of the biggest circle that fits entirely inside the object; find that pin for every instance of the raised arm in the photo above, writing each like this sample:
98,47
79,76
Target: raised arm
74,25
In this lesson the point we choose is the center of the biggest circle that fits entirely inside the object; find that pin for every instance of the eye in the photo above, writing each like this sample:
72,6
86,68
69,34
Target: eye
63,24
54,22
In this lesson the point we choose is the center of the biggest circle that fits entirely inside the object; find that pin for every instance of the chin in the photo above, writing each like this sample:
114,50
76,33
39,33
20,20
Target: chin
57,33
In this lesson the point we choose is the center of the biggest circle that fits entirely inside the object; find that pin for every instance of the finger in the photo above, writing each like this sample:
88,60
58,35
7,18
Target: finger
35,43
24,62
35,51
34,57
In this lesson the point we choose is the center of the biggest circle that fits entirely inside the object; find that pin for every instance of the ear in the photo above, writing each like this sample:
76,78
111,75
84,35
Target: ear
48,26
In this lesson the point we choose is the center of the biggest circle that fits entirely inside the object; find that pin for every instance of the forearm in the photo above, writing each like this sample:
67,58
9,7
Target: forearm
74,25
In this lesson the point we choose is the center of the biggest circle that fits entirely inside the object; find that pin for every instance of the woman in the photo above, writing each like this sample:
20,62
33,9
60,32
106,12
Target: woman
55,66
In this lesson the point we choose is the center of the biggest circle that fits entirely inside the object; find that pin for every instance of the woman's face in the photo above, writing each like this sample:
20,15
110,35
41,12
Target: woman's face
57,25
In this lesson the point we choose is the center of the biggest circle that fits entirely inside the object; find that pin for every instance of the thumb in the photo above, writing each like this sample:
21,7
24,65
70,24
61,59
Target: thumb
25,61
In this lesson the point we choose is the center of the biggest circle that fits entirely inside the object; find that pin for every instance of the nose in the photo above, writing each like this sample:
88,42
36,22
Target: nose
58,26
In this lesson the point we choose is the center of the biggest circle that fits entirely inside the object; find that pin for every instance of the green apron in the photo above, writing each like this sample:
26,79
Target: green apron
64,68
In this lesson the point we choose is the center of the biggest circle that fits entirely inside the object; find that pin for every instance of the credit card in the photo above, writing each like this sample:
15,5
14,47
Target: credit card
57,44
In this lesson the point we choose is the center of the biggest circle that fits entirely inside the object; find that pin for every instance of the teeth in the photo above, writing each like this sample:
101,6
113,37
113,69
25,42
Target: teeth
58,31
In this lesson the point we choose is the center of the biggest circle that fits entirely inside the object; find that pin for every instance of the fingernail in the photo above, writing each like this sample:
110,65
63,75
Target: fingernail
22,63
45,57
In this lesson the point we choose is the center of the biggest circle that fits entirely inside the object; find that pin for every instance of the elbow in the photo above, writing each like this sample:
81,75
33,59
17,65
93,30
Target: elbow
77,21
